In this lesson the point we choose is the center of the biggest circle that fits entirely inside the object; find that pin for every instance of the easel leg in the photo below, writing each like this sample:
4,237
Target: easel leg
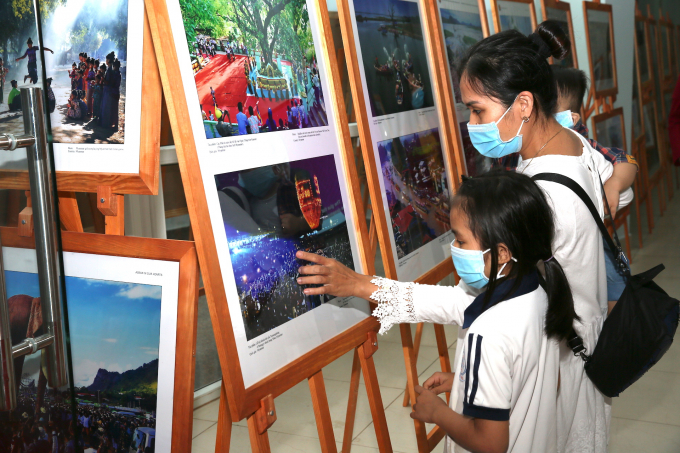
223,424
115,224
69,214
412,381
416,350
324,424
375,400
352,403
443,351
259,443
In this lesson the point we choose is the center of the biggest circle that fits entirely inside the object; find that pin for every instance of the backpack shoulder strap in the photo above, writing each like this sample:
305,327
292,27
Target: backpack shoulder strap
578,190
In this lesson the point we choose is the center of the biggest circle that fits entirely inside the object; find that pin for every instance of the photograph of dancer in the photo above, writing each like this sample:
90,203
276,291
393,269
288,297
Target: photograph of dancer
393,54
416,188
259,59
269,214
115,369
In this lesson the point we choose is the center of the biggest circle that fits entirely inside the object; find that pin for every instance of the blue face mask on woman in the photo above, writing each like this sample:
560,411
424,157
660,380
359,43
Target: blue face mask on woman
258,181
565,119
487,138
469,265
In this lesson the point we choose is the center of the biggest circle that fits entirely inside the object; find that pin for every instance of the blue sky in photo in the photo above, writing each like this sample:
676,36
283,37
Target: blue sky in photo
401,8
114,325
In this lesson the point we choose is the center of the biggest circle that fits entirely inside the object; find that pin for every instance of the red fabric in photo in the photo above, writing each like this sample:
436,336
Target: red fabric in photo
227,77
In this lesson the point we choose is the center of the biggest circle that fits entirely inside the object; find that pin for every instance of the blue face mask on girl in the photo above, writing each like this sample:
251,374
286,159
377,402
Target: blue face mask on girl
565,119
469,265
487,138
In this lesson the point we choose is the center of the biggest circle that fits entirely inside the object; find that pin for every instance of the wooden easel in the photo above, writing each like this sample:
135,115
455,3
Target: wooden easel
110,189
666,86
256,403
443,93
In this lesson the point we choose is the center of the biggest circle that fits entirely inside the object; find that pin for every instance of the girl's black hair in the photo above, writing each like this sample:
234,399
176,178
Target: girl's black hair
507,63
572,84
505,207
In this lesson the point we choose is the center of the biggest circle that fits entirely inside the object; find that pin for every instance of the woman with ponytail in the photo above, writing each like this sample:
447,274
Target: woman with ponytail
511,318
508,86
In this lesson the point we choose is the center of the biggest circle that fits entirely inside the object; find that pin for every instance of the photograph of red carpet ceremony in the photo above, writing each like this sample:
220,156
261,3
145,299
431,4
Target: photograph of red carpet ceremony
254,65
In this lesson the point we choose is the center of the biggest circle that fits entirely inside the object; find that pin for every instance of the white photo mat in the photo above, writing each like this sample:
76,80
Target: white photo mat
129,270
294,338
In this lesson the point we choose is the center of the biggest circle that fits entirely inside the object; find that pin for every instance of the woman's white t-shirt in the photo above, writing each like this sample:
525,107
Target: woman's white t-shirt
584,414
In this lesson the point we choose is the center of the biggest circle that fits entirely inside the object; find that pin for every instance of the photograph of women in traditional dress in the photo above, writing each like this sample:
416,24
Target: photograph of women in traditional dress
416,188
394,56
601,49
114,340
515,16
255,66
269,214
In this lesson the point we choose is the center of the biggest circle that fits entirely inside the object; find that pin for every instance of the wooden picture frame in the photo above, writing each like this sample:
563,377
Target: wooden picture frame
561,11
256,402
655,158
143,183
180,252
497,6
642,52
591,10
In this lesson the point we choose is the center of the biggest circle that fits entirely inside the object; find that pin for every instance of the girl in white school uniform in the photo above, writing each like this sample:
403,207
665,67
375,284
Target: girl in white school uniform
508,85
504,391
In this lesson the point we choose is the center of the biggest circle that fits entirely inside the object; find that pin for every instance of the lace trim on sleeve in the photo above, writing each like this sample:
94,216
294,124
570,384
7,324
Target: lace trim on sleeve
395,303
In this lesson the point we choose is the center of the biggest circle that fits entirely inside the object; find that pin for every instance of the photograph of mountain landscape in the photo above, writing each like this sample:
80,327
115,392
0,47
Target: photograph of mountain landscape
114,337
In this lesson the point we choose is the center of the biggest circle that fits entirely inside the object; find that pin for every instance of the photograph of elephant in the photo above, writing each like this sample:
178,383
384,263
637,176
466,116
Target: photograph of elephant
114,338
394,56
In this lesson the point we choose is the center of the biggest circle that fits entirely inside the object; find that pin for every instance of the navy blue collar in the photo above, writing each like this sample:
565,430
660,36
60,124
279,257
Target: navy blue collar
528,284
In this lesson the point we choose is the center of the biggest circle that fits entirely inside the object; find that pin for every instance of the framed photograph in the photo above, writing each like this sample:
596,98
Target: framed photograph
601,50
653,41
464,24
514,15
102,133
665,47
651,142
636,121
561,12
125,297
641,50
257,87
609,129
395,27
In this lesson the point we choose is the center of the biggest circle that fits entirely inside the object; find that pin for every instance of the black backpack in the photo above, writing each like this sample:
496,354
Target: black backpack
641,326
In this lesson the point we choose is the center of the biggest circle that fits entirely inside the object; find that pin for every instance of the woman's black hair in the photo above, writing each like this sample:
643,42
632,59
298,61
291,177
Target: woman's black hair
505,207
507,63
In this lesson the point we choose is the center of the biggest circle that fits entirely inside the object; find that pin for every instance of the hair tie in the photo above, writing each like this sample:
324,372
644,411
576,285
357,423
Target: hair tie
545,261
543,48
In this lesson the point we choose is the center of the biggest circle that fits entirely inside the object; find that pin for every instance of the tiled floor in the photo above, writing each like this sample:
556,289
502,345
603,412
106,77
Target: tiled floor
646,418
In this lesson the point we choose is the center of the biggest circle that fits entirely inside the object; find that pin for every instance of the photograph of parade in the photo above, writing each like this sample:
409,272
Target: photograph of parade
114,338
394,56
461,31
269,214
601,50
254,65
515,16
85,48
416,188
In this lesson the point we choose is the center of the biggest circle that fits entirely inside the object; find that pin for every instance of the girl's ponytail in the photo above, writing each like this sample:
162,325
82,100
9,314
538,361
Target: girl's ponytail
559,319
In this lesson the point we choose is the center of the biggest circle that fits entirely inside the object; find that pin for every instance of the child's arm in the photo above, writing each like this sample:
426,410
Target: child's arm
622,178
474,434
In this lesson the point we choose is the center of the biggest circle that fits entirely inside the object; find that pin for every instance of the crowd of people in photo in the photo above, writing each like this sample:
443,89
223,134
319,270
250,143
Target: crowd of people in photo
54,429
273,297
404,76
95,90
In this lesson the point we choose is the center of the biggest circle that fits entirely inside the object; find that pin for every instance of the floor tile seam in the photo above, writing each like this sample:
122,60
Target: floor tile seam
647,421
202,432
